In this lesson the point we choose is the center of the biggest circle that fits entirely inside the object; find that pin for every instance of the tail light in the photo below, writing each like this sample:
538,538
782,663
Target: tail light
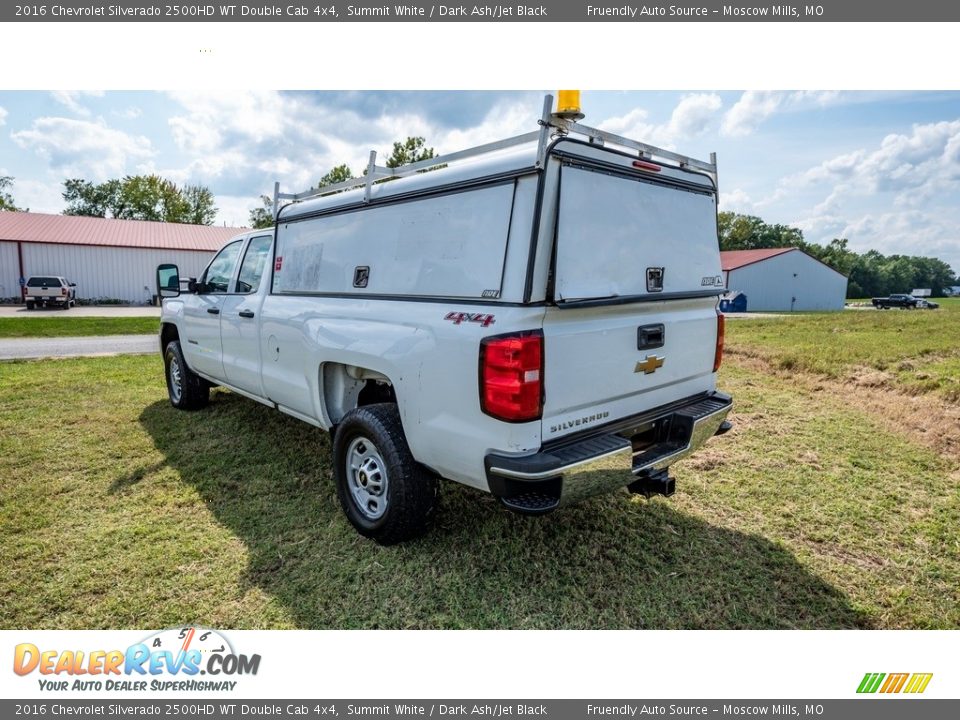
24,289
511,376
718,353
63,291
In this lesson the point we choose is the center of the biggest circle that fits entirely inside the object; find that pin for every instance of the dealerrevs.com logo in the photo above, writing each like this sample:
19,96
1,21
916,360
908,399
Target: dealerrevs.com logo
179,659
892,683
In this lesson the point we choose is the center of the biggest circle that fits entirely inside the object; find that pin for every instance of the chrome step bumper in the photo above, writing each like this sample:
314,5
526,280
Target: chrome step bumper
645,444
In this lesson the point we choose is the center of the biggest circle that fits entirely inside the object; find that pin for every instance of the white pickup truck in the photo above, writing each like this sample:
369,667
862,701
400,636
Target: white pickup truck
536,319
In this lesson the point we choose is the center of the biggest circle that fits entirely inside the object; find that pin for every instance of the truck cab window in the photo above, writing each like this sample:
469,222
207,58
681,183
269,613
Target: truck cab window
219,273
251,270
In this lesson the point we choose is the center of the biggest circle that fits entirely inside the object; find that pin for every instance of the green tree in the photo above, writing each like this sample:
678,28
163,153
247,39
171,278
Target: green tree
140,197
201,209
262,217
90,199
6,199
411,150
339,174
151,197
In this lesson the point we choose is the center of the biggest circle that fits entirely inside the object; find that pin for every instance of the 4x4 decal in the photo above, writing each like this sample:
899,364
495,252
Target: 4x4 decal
485,319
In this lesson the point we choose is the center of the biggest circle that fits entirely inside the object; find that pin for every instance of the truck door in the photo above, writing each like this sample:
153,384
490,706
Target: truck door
239,321
202,349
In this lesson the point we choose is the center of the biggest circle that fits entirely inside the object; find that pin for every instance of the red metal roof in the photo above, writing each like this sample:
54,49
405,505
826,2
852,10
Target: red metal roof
72,230
733,259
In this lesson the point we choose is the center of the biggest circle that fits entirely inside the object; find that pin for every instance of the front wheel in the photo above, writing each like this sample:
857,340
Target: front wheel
384,492
187,390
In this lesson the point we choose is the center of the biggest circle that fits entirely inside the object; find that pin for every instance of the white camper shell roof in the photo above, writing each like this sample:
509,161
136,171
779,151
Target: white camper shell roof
512,156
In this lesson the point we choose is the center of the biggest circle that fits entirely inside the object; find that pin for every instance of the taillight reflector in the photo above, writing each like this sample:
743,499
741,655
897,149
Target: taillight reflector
718,353
511,376
643,165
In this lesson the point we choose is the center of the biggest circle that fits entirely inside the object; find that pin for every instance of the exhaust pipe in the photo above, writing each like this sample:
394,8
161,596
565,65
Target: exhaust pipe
653,482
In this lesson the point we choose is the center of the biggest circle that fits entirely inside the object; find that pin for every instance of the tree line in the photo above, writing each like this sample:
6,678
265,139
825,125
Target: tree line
152,197
869,274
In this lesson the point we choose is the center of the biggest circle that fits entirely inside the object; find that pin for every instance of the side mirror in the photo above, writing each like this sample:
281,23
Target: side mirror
73,284
193,286
168,281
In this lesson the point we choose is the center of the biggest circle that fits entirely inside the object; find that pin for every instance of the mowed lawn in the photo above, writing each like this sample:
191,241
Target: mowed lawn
118,511
914,351
68,326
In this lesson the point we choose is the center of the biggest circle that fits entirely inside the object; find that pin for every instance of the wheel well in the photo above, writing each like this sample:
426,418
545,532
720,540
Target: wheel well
376,391
345,387
168,333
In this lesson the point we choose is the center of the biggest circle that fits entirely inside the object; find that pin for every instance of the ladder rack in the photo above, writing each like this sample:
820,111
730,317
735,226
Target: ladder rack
551,125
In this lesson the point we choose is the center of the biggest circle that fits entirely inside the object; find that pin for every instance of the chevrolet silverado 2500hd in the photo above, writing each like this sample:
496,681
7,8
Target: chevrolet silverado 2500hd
536,319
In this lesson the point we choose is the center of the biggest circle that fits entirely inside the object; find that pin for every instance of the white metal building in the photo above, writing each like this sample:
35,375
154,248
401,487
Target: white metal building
107,259
783,279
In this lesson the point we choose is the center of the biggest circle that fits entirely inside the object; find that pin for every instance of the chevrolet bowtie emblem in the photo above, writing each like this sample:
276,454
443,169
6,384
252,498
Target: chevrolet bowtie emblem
649,364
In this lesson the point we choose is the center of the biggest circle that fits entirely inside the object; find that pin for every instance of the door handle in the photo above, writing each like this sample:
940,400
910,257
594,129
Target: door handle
246,313
213,311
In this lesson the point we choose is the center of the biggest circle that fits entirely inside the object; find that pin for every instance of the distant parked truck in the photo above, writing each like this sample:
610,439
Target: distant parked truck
49,290
908,302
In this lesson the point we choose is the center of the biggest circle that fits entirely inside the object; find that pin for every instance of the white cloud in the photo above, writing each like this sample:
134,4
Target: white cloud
234,211
40,196
83,148
70,99
3,116
690,118
927,157
750,110
130,113
735,200
755,106
241,142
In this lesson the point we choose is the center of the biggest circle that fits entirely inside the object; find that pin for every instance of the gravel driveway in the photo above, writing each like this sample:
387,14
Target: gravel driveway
23,348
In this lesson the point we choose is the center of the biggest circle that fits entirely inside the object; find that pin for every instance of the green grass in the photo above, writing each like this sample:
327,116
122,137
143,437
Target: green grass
917,351
67,326
118,511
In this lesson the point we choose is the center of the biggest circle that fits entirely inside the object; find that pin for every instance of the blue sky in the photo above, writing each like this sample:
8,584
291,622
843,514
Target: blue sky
881,169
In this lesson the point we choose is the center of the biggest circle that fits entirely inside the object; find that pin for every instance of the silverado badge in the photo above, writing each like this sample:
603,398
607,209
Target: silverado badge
649,365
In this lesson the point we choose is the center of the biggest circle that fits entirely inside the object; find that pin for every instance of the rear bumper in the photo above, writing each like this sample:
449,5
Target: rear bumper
571,470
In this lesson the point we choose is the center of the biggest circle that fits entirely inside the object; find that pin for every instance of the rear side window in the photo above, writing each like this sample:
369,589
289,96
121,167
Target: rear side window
449,245
255,259
218,275
44,281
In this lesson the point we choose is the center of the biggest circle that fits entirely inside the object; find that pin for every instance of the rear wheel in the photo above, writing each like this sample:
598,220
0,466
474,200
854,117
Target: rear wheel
30,305
187,390
383,491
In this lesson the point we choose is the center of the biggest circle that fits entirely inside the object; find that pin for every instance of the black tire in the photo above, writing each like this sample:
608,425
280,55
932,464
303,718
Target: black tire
408,496
30,305
187,391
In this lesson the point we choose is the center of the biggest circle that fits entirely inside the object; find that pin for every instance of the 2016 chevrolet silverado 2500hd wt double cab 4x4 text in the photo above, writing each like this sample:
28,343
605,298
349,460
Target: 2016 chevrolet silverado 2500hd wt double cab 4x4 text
536,319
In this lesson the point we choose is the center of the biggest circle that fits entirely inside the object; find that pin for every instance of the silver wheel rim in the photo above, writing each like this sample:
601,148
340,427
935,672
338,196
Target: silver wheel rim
367,478
176,380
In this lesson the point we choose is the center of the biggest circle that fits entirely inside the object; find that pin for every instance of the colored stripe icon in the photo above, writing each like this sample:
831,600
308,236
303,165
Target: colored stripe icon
894,683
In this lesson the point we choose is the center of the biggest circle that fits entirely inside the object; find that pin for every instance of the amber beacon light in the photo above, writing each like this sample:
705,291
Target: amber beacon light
568,105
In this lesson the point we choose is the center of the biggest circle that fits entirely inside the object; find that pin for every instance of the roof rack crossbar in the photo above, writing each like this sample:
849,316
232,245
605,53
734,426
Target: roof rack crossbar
550,126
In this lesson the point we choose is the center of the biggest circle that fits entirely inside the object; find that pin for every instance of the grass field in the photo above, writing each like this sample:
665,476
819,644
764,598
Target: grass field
66,326
819,510
916,351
